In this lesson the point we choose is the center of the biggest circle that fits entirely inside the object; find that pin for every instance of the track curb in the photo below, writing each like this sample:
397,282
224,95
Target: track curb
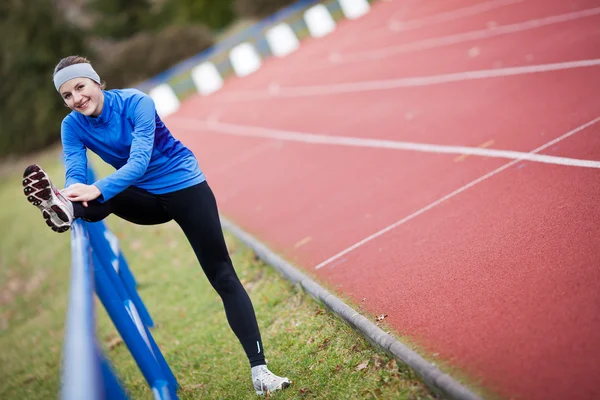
435,379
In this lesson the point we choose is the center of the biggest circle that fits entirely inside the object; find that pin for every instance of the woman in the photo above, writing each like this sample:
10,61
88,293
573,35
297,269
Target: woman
157,179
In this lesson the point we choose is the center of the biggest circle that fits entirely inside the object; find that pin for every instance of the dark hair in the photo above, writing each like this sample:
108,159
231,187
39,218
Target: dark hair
67,61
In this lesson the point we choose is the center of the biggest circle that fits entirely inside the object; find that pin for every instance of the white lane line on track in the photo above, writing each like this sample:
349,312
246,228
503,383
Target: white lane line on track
275,91
396,25
388,51
452,15
450,195
311,138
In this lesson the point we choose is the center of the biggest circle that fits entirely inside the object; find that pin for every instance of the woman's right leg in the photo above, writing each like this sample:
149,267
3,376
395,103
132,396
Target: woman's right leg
133,204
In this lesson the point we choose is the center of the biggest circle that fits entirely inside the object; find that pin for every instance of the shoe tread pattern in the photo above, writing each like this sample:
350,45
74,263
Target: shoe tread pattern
38,189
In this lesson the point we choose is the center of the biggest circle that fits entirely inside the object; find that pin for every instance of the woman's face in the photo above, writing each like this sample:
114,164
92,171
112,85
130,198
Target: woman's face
83,95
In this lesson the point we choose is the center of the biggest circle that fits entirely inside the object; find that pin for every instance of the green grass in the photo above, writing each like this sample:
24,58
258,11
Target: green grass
320,353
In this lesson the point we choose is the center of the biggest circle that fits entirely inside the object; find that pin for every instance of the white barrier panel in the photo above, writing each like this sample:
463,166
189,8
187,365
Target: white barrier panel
282,40
207,79
319,21
165,100
244,59
112,239
353,9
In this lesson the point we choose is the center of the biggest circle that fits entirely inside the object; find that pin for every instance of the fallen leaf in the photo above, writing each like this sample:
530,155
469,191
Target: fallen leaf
304,391
198,386
114,343
380,317
362,366
189,388
392,364
378,363
324,344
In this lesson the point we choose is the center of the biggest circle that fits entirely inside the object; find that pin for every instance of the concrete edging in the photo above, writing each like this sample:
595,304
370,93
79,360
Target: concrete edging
435,379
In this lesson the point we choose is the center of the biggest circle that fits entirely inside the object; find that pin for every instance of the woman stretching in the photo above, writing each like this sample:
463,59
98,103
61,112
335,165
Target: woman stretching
157,179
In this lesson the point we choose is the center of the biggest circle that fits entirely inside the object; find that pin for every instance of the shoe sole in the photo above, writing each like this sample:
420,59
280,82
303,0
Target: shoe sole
284,384
39,191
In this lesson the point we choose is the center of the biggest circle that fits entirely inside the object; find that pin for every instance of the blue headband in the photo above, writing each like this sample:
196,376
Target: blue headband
81,70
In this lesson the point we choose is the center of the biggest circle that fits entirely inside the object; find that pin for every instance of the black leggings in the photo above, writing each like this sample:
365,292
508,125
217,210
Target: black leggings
195,210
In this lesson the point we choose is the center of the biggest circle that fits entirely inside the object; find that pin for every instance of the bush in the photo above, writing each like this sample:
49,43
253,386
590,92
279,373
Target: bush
216,14
121,19
146,55
33,38
259,8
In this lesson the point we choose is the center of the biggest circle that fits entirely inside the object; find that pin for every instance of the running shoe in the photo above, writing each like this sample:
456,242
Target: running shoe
55,208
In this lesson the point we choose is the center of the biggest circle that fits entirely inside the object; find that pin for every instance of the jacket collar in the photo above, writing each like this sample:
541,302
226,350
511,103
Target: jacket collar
106,113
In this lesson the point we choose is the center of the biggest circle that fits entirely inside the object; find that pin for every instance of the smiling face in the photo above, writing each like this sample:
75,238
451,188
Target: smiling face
83,95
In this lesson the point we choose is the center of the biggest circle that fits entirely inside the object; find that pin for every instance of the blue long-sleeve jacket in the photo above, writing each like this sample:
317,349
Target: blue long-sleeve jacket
130,136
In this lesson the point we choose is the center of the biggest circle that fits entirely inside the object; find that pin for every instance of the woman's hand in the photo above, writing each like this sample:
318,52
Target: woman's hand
82,193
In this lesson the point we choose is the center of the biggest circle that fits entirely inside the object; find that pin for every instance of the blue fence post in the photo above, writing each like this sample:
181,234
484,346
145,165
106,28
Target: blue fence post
119,263
102,260
99,234
123,317
162,363
126,274
113,390
124,271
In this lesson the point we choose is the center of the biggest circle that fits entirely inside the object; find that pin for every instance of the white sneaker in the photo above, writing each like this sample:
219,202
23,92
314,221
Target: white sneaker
266,382
56,209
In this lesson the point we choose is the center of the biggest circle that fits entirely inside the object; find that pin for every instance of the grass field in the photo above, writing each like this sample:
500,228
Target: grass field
324,357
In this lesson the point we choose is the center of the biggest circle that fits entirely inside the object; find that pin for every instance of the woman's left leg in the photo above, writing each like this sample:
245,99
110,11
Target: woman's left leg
195,210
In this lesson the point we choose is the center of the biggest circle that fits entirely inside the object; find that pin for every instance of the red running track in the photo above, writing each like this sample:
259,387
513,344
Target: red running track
488,264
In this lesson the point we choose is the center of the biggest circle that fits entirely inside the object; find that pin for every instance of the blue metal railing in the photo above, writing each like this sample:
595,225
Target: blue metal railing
98,266
81,361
